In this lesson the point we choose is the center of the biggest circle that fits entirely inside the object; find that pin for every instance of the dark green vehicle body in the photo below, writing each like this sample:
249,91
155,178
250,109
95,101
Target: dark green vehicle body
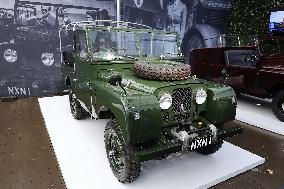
88,79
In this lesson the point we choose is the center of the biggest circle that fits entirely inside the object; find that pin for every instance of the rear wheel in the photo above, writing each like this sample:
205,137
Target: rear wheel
278,105
77,110
211,149
120,155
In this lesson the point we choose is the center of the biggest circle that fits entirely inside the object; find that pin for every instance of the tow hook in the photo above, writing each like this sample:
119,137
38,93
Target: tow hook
184,137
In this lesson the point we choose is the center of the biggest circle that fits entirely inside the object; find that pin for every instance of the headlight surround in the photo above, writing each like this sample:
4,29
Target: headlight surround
10,55
165,101
200,96
47,59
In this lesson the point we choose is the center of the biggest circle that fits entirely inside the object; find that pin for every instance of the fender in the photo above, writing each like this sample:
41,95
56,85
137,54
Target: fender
222,99
206,31
124,108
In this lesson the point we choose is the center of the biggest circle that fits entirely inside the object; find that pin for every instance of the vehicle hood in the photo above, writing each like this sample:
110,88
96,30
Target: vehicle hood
131,81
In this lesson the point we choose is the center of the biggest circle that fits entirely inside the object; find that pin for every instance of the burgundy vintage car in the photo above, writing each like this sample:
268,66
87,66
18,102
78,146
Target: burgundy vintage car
255,69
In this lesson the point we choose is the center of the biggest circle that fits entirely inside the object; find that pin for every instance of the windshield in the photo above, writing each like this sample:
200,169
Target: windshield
157,45
110,45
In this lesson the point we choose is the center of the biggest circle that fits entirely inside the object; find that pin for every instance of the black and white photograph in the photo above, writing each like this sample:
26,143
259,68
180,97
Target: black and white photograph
30,61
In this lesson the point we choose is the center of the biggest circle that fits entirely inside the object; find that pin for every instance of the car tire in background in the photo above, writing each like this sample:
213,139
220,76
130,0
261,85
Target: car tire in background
278,105
193,41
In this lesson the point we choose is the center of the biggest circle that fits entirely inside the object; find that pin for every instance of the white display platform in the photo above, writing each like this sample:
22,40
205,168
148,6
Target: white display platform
258,112
79,147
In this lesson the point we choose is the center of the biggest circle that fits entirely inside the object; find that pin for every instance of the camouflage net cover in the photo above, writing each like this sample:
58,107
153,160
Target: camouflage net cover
162,72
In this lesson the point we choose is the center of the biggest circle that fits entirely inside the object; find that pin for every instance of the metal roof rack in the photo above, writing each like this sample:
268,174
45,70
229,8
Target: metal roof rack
104,23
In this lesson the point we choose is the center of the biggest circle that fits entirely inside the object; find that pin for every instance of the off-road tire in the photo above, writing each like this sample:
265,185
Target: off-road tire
211,149
277,103
77,110
162,72
130,168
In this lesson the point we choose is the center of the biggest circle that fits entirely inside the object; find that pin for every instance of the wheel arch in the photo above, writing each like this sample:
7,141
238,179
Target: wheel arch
120,115
123,109
277,88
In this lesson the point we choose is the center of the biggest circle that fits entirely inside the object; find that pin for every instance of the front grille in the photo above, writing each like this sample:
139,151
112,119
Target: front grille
181,117
181,100
166,117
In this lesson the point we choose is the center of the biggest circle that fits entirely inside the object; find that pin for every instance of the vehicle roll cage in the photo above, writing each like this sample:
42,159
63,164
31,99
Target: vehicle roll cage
31,5
104,23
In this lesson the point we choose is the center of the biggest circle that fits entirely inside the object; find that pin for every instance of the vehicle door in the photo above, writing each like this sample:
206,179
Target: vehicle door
82,69
272,64
241,70
207,63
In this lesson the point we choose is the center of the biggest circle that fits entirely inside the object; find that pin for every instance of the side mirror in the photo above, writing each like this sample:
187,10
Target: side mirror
115,80
68,59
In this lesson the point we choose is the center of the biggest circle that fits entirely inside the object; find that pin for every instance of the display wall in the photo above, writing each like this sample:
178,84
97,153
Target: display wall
29,43
30,61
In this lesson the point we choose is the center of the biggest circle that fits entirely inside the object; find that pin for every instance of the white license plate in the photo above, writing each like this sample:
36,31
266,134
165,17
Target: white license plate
200,142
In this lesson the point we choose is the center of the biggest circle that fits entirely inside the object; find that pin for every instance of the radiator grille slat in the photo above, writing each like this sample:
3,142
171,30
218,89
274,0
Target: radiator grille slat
181,100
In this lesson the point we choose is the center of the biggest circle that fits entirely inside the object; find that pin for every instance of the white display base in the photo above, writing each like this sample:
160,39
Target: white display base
258,112
79,147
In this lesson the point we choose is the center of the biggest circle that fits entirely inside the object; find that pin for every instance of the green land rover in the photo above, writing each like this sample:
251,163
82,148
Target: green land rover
136,77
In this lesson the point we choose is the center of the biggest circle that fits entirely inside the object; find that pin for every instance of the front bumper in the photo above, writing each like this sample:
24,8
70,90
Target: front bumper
167,148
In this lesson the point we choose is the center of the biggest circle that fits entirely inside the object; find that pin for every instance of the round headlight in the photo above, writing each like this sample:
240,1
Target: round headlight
165,101
201,96
109,56
47,59
10,55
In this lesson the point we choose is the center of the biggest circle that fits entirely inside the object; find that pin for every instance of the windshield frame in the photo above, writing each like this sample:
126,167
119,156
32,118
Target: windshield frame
137,33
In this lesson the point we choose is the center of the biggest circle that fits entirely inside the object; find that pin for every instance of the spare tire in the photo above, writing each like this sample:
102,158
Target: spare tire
162,71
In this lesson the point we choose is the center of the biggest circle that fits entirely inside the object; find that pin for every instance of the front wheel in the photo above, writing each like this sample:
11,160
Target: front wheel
278,105
211,149
119,155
